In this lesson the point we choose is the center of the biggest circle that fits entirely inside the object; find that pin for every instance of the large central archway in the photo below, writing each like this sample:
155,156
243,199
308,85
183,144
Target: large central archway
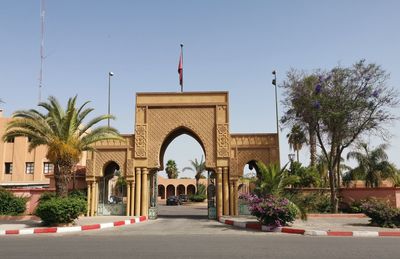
180,149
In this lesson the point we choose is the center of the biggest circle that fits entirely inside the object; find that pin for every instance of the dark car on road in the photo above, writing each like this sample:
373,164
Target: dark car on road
173,200
183,197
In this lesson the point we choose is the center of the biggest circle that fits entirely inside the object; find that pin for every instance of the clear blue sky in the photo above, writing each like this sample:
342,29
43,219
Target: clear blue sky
229,45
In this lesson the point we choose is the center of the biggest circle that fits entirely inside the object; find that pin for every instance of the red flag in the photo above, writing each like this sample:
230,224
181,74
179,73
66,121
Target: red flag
180,69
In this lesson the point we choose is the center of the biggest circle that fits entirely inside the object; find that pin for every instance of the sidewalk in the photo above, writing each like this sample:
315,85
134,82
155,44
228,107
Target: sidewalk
32,225
318,225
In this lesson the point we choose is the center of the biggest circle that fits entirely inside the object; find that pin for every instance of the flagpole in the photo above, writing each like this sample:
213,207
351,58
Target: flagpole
182,67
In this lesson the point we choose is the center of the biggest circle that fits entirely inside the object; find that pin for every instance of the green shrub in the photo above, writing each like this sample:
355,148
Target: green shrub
316,202
59,210
381,213
197,197
355,207
47,196
306,176
77,194
11,204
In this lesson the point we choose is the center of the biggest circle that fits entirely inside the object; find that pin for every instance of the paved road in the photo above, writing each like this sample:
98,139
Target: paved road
185,232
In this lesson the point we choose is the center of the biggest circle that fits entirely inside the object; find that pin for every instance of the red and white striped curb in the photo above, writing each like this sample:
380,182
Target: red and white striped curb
288,230
73,229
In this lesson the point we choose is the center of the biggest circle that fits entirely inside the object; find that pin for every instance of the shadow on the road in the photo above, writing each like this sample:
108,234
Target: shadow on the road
179,216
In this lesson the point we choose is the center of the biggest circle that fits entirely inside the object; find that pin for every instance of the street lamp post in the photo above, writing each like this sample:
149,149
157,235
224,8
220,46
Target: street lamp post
110,74
276,101
276,111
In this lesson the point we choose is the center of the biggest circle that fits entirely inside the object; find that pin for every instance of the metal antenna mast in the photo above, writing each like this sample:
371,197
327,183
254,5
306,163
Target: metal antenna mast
42,12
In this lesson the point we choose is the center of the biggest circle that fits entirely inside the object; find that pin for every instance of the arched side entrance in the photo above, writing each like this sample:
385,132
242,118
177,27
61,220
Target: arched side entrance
170,190
161,191
112,191
180,189
191,189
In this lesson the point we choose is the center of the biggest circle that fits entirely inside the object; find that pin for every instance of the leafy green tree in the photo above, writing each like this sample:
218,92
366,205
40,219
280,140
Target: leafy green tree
347,104
307,176
296,139
171,169
198,168
63,132
372,164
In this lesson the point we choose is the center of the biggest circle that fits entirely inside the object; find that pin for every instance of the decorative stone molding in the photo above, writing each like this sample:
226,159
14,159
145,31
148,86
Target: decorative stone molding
162,122
129,168
223,140
252,147
105,156
89,168
141,141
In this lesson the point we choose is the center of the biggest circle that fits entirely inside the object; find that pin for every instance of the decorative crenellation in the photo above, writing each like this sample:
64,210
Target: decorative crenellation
223,140
221,107
112,142
141,141
254,140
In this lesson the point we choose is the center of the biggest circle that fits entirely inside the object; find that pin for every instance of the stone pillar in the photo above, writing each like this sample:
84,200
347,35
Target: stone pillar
145,192
235,197
132,212
219,192
89,197
128,198
232,199
96,197
93,200
225,183
138,180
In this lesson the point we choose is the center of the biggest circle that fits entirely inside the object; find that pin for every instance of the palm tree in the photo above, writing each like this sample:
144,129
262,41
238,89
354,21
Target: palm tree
372,164
64,134
395,177
272,181
296,139
171,169
198,168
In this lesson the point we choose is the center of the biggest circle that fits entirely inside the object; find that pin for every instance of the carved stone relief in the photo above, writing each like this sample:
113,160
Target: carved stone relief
141,141
223,140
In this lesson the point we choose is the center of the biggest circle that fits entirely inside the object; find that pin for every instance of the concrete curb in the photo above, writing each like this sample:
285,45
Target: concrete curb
289,230
73,229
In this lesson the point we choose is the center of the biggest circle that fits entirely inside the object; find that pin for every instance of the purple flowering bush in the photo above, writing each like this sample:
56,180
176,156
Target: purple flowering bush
271,210
381,213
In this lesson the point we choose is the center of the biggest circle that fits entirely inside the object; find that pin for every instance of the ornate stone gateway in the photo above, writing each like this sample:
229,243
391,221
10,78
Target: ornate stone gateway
159,119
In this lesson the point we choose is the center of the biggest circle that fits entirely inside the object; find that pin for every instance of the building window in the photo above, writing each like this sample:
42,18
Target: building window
48,168
29,167
8,167
10,140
